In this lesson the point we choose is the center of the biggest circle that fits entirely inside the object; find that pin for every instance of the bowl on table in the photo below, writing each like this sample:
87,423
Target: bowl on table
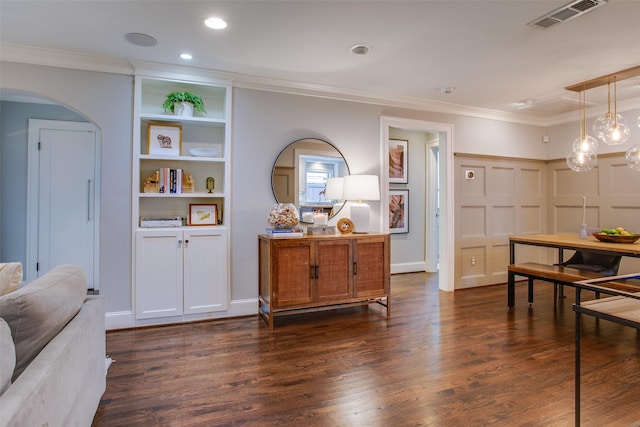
616,239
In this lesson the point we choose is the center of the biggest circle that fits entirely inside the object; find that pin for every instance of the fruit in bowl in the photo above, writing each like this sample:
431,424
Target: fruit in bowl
616,235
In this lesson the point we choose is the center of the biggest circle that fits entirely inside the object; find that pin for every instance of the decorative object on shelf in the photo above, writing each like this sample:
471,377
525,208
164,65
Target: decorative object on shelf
211,184
203,152
307,217
398,155
283,215
321,230
183,103
320,218
147,222
361,187
583,227
398,211
345,225
188,186
200,214
152,183
164,140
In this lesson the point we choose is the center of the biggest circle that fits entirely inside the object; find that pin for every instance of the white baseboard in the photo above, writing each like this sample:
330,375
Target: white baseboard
408,267
126,319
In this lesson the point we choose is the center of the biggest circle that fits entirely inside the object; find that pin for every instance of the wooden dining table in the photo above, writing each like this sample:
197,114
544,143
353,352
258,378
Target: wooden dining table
563,242
572,242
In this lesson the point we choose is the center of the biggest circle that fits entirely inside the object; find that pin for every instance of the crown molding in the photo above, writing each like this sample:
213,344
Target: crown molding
63,59
97,63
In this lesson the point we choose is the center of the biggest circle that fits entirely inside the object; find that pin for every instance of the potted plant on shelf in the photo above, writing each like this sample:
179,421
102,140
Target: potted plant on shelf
183,103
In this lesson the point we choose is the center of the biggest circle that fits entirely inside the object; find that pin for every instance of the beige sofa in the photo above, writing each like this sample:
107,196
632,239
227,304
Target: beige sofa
52,360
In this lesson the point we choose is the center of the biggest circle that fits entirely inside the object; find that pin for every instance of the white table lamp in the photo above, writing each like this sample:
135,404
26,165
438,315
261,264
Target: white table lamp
361,187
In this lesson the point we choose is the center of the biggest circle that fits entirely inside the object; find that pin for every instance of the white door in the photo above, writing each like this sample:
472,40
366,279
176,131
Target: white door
158,286
63,207
205,271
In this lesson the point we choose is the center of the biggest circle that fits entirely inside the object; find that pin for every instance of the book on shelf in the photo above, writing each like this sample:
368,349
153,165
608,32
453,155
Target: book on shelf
170,180
285,232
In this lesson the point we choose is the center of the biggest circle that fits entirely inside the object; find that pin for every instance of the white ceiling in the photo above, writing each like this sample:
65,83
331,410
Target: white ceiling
483,48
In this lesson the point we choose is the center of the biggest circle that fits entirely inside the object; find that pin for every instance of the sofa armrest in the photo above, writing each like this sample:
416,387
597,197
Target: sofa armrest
65,382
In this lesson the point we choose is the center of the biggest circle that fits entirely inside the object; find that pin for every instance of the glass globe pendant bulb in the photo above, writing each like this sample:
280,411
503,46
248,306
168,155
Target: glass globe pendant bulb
633,157
581,162
600,125
585,144
618,133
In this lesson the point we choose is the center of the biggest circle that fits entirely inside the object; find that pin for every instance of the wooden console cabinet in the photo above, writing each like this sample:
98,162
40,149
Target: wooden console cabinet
321,273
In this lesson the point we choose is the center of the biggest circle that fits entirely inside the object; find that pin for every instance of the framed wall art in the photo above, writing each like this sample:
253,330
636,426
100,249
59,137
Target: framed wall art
398,152
398,211
203,214
165,140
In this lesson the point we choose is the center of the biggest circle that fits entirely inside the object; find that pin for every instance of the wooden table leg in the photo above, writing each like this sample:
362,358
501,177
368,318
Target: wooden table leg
511,289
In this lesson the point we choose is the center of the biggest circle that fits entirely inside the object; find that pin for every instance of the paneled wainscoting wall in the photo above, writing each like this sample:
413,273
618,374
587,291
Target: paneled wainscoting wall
495,198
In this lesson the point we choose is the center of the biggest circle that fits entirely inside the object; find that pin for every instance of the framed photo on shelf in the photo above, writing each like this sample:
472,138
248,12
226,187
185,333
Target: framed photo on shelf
398,152
203,214
398,211
164,140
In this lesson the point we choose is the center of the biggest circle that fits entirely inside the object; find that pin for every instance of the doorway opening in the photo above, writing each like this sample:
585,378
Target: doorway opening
63,198
438,200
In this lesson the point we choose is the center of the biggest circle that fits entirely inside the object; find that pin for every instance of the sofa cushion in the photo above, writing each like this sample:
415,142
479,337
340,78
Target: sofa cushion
7,356
39,310
10,277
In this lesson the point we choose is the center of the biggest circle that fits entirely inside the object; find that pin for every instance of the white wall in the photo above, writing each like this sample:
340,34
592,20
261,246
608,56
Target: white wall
263,124
106,100
408,249
14,117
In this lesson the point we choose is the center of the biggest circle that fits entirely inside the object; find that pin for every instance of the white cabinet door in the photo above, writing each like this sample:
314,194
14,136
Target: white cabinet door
159,273
205,270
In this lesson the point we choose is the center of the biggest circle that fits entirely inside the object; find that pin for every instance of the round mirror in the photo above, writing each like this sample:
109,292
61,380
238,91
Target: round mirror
300,175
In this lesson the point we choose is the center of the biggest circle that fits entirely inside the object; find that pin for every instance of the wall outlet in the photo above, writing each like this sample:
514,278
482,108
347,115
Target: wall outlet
473,261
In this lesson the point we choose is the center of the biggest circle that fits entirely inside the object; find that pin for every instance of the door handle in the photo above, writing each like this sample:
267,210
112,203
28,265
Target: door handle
355,268
89,200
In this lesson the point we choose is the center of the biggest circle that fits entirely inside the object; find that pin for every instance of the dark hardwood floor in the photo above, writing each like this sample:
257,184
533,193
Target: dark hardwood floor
442,359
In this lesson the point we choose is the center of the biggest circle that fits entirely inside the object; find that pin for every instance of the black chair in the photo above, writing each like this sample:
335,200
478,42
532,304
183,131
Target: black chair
606,265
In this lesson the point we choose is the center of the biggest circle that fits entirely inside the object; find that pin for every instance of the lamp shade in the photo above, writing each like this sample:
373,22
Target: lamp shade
361,187
333,190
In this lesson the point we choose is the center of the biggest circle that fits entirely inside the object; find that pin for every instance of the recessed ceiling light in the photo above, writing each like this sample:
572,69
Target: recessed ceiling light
359,49
140,39
447,90
186,56
215,23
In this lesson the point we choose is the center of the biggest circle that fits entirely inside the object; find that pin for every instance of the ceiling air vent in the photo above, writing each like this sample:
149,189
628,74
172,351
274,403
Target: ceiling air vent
566,12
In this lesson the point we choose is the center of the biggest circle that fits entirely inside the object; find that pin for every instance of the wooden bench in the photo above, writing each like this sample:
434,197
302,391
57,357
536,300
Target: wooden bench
549,273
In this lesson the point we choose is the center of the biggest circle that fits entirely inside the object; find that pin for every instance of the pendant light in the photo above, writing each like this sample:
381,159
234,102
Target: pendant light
633,157
583,156
616,131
